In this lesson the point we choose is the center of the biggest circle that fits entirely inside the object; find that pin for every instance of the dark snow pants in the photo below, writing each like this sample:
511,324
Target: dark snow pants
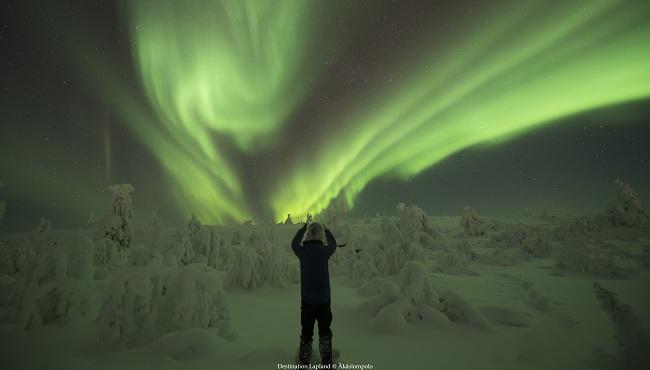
309,313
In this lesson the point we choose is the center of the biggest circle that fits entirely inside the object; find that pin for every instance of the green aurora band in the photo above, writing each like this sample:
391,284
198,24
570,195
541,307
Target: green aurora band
236,69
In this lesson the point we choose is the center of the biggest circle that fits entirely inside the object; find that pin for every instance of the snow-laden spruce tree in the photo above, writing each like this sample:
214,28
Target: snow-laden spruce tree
181,247
92,221
471,223
200,237
15,255
53,287
143,256
410,222
43,225
390,232
118,222
148,303
416,301
220,253
194,226
361,268
416,226
627,210
416,286
263,247
154,220
246,269
107,253
283,267
393,250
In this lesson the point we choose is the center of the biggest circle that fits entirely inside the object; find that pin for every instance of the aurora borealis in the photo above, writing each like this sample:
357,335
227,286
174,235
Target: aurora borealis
256,109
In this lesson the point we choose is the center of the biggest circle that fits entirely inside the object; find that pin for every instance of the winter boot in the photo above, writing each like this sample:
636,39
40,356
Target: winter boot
325,347
304,351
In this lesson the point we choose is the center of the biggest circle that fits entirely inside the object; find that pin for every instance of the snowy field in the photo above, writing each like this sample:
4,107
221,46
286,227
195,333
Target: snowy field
409,290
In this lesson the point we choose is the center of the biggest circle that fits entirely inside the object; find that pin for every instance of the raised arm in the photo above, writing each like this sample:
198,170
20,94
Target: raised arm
295,242
331,242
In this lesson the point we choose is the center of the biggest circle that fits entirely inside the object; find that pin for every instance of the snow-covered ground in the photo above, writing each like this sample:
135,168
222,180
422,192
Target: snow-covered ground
408,291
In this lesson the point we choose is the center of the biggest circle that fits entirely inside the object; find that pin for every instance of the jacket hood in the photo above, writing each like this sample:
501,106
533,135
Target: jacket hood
315,232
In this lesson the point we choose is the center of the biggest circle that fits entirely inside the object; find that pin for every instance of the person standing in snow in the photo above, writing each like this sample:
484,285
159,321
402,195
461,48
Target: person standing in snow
314,244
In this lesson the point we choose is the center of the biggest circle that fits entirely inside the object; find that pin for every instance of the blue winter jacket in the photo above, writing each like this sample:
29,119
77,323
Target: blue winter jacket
314,272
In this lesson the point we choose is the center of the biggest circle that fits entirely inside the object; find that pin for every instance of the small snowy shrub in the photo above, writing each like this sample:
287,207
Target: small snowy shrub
582,262
531,241
453,262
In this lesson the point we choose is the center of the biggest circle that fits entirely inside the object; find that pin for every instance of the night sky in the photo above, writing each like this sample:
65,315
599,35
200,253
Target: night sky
254,109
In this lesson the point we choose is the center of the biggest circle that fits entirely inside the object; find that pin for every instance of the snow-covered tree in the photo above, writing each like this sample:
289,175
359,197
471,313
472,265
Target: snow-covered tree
390,232
142,256
361,269
107,253
43,225
416,286
246,269
118,222
181,247
283,269
627,210
52,287
471,223
220,252
92,221
416,301
194,226
149,303
15,255
199,236
412,221
154,221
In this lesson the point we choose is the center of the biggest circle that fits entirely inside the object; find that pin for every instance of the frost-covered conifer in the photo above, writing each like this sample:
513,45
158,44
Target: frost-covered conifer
118,223
91,221
43,225
471,223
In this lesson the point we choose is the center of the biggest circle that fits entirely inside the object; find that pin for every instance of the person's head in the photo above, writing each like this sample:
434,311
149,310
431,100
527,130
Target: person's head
315,231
